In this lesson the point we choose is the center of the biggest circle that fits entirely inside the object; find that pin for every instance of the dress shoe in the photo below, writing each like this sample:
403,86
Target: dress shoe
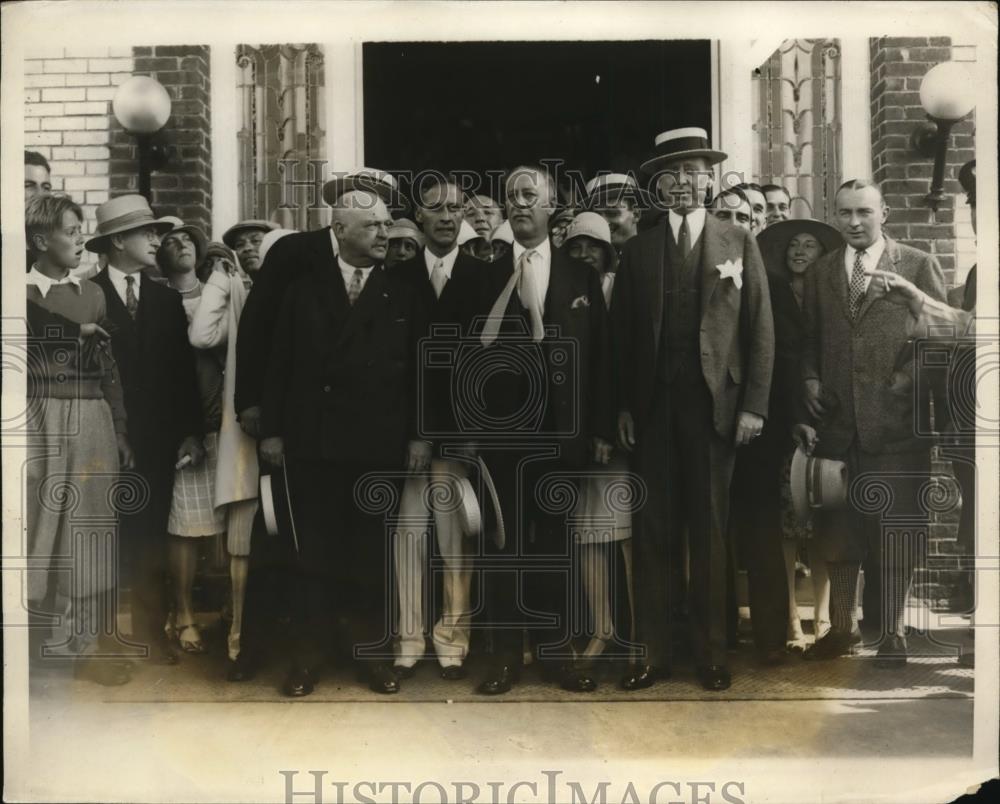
299,683
453,672
834,644
240,669
891,653
403,671
772,657
577,679
643,676
107,673
382,679
715,677
499,680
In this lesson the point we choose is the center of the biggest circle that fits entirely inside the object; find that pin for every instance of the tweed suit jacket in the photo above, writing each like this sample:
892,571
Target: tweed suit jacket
737,329
858,361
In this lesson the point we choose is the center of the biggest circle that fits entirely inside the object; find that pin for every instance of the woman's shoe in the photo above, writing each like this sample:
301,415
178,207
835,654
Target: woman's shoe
189,639
795,638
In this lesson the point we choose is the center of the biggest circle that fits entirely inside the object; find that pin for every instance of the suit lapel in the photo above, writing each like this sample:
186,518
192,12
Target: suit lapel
559,292
714,251
838,280
117,311
887,262
371,297
653,259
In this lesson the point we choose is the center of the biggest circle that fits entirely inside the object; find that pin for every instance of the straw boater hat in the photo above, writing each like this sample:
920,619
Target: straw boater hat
680,143
229,237
592,225
404,227
503,232
817,483
123,214
613,187
773,241
378,181
195,233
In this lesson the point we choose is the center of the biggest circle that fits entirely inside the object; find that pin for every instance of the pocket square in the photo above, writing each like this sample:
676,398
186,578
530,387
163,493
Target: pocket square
580,301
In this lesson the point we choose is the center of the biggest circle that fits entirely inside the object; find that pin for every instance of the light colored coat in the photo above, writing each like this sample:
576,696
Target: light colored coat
217,316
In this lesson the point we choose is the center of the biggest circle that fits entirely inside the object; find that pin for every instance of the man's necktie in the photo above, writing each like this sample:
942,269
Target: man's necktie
684,238
438,277
529,298
354,289
131,302
856,290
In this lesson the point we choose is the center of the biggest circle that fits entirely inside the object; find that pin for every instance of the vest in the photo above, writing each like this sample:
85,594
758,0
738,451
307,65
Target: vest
680,345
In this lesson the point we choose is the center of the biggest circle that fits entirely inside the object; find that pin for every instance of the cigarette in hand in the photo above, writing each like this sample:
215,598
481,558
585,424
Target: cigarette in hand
183,462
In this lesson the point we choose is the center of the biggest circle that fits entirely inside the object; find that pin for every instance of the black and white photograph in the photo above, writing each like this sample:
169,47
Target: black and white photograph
500,402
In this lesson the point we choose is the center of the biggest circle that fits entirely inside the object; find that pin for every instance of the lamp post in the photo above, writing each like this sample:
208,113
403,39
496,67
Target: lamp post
947,96
142,106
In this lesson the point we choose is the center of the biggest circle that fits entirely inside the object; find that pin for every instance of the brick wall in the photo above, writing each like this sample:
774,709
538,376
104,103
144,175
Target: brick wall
184,187
67,110
897,68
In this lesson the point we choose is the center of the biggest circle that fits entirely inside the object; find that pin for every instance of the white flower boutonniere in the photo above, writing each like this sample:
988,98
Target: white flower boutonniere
580,301
732,269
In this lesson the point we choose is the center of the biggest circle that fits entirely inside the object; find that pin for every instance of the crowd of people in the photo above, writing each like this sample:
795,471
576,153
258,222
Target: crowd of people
548,429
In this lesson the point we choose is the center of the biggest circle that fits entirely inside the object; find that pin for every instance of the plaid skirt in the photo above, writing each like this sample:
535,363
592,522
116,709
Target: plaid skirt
193,511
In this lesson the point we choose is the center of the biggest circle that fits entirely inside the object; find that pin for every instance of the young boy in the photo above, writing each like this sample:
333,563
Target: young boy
77,420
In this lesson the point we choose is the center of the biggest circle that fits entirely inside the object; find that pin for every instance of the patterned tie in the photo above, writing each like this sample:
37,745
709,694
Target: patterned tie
684,238
354,289
856,290
438,277
131,302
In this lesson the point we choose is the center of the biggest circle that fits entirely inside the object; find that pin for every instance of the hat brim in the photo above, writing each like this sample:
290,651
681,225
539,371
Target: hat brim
797,480
98,244
773,241
229,236
276,505
609,249
650,166
197,235
335,188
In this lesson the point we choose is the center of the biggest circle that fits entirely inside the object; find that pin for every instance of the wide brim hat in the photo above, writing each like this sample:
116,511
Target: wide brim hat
229,236
123,214
383,184
614,187
817,483
592,225
773,241
467,233
682,143
503,232
192,231
276,505
404,227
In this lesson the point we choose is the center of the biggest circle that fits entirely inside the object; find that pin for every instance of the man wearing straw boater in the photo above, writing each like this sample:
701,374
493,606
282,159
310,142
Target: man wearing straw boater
692,329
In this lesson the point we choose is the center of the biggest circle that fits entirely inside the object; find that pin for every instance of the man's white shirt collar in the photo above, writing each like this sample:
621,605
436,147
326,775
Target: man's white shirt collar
696,223
117,278
873,254
45,283
447,261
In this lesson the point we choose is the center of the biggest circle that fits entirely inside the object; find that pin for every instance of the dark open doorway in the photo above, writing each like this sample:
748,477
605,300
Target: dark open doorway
486,106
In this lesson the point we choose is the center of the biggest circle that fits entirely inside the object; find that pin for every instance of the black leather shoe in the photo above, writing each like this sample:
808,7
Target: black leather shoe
298,684
643,676
453,672
107,673
240,669
403,672
891,653
577,679
833,645
382,679
499,680
715,677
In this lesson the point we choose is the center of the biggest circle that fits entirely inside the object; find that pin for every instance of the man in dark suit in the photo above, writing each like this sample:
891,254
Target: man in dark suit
545,413
449,281
157,368
855,344
339,404
694,345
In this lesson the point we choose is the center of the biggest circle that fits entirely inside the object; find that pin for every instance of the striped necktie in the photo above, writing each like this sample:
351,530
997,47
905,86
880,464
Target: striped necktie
131,302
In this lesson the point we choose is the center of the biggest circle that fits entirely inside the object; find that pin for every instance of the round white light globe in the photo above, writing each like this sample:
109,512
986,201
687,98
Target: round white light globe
141,105
947,92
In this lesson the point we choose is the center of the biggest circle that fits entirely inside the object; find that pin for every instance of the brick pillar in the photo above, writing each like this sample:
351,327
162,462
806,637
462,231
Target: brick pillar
184,187
897,67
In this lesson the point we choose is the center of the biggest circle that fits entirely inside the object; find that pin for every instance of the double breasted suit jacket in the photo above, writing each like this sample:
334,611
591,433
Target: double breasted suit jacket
288,259
857,360
737,331
577,392
156,363
340,381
